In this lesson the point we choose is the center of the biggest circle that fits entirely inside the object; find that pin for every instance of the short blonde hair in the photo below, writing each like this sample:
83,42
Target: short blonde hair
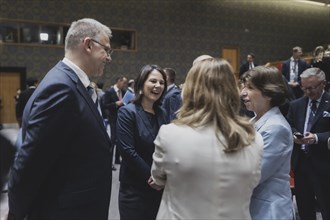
211,97
86,27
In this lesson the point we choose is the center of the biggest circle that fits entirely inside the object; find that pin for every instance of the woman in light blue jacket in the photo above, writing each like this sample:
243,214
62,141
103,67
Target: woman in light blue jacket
264,91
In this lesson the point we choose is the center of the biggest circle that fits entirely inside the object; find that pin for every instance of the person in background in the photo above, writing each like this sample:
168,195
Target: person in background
137,127
172,100
23,98
264,91
112,100
63,166
249,64
320,60
309,117
292,69
99,88
207,128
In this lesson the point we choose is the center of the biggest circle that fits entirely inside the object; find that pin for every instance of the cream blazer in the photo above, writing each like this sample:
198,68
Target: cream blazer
201,180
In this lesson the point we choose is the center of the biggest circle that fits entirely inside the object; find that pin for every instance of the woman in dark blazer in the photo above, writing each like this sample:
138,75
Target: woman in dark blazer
137,127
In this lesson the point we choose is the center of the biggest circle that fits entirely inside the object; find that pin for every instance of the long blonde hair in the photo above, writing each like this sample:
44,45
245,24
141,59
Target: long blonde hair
211,97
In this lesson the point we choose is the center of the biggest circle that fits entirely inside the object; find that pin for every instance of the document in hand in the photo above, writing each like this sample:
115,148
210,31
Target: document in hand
128,97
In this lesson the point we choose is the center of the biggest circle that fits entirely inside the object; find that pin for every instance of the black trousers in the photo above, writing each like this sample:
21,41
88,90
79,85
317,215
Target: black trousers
137,204
113,143
310,186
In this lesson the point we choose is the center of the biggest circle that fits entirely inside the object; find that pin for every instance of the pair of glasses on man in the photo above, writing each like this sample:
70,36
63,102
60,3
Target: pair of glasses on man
108,50
310,88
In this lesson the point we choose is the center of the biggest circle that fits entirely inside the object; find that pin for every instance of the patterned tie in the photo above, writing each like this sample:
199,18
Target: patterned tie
92,92
312,113
313,109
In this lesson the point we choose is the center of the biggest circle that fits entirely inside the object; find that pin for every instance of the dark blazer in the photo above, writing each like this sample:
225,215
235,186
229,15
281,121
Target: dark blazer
22,100
135,139
319,153
63,167
172,102
245,67
302,66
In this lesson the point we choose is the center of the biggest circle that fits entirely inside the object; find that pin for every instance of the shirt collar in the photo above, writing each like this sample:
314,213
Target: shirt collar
116,88
80,73
292,59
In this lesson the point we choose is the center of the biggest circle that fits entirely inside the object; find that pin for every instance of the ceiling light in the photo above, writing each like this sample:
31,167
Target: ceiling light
311,2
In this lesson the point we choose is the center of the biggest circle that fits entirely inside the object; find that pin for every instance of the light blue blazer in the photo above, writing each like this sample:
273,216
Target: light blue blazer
271,199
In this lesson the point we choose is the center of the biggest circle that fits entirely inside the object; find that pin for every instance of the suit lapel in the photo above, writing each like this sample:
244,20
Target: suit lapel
84,93
324,104
301,113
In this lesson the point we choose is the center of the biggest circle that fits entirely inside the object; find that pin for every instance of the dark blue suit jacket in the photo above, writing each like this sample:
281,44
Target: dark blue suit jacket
135,140
319,153
302,66
63,167
172,102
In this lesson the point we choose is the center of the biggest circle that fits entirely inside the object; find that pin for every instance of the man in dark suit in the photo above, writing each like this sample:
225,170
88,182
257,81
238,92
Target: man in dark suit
309,117
172,100
249,64
63,166
292,69
111,102
23,98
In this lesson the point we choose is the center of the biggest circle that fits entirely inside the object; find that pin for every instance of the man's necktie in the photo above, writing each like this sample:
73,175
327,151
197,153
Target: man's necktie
312,112
92,92
313,109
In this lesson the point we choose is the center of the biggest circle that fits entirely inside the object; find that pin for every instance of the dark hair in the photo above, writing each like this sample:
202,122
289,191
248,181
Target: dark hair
170,73
31,81
269,81
100,84
119,78
142,77
251,54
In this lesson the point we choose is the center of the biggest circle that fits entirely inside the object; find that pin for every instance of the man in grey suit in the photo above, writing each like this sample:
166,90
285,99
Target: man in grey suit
63,166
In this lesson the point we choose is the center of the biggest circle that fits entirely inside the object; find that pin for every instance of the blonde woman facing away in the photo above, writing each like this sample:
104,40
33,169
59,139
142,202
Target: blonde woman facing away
208,160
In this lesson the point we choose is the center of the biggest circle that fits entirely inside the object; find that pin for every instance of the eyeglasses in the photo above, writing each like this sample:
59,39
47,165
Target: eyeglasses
108,50
310,88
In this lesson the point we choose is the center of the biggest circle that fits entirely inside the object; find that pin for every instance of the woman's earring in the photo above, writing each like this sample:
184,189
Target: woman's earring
140,92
